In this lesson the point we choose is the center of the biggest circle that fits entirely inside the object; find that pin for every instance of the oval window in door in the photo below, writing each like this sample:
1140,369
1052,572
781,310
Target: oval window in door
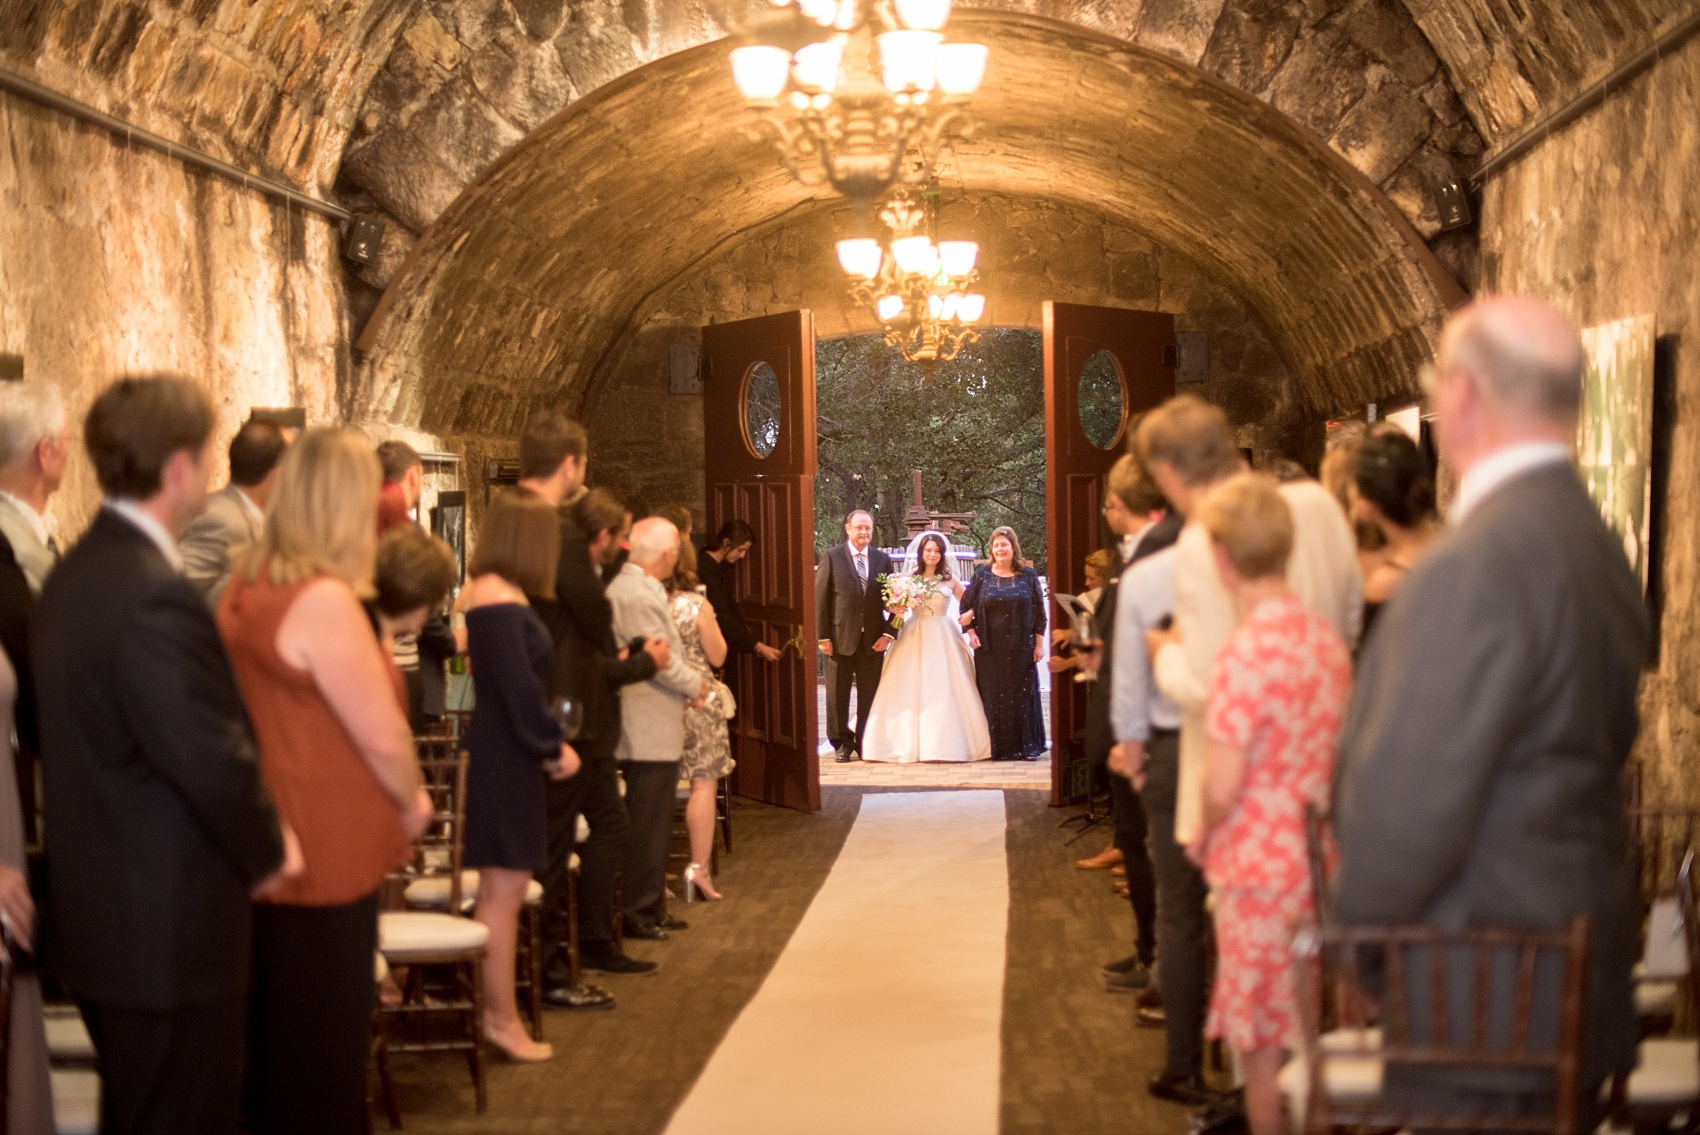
761,409
1102,400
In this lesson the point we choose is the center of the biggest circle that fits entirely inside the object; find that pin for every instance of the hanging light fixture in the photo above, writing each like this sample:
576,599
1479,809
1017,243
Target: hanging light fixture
916,286
857,94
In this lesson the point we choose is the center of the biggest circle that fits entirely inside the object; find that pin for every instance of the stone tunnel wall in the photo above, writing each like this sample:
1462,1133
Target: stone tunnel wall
649,443
1604,218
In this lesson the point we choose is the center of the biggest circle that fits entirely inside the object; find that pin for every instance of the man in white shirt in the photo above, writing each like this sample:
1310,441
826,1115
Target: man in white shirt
33,450
235,515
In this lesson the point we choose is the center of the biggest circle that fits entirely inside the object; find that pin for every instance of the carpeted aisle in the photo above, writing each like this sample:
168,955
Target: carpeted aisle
884,1013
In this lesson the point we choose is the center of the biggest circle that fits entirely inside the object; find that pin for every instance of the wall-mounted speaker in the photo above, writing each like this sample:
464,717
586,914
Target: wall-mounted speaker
365,237
1452,201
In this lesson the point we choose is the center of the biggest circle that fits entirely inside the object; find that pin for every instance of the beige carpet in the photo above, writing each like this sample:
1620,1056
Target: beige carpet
884,1012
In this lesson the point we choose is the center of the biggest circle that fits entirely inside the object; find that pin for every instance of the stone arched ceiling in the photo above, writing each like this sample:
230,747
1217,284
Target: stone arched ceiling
534,276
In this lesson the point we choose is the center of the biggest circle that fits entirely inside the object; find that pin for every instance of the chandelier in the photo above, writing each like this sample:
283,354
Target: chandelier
917,288
858,94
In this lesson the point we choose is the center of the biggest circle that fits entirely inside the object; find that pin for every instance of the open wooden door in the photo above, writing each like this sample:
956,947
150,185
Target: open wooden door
1103,367
759,421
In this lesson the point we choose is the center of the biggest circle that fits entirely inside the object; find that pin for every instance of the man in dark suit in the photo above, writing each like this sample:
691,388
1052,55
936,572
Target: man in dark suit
554,452
160,827
855,630
1481,761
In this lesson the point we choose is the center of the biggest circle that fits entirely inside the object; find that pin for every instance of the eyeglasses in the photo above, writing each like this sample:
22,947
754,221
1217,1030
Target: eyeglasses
1112,504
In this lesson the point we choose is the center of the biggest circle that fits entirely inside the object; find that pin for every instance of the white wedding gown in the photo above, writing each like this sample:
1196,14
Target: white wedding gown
927,707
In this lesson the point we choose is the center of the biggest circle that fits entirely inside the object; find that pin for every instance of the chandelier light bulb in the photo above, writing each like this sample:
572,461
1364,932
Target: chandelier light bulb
861,257
971,307
957,257
815,67
761,71
908,60
889,308
923,15
960,67
935,306
915,255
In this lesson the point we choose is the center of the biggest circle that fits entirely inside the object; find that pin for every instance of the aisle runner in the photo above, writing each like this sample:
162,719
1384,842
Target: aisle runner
883,1014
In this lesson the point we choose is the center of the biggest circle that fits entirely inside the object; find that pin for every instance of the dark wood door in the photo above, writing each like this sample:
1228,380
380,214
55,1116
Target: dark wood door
1103,367
759,422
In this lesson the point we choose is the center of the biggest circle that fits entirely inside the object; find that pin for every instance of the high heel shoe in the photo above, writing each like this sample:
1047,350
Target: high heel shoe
535,1052
696,883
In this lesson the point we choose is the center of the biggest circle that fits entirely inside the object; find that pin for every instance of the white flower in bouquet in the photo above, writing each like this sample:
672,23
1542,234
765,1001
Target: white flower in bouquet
905,593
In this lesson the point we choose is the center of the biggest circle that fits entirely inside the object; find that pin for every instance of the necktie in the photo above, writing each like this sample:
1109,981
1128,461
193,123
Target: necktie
862,566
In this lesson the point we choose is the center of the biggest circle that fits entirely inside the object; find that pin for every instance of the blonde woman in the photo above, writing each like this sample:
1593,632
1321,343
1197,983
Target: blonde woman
336,754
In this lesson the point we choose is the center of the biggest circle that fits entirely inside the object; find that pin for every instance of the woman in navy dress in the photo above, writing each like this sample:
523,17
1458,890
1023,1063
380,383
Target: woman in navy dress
513,739
1004,610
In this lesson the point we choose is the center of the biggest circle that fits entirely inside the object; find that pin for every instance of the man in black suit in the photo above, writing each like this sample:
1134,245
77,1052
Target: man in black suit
160,829
554,452
850,615
1481,762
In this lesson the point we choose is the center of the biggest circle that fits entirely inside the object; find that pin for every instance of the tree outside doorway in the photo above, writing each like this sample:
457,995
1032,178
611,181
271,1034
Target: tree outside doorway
975,430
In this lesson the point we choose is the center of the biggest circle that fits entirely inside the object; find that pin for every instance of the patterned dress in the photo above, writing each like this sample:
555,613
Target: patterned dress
1279,695
708,747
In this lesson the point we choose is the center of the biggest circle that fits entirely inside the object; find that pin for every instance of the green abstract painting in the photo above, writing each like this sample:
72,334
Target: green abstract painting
1614,439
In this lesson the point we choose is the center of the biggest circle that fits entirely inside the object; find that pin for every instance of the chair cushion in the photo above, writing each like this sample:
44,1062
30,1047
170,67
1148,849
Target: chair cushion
1668,1073
573,862
1655,998
582,832
403,933
1665,954
68,1038
380,968
76,1101
431,892
1348,1078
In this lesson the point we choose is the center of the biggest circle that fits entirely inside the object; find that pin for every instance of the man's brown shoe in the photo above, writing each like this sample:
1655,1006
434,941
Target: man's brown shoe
1108,857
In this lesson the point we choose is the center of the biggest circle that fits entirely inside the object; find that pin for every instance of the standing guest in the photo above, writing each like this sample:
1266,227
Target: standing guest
1189,448
1339,469
652,724
679,517
714,567
412,575
513,739
338,757
1100,565
850,608
1393,490
423,655
1005,610
1129,497
236,514
1274,713
161,826
29,1089
554,452
607,525
708,747
404,483
1481,764
34,445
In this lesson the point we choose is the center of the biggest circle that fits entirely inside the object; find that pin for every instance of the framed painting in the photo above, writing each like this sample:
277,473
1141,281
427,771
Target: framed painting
1614,438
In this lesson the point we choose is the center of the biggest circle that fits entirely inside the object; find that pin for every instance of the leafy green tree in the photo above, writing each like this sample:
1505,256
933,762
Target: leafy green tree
975,430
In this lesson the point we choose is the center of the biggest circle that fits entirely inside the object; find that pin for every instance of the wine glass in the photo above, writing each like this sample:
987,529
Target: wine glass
569,711
1086,641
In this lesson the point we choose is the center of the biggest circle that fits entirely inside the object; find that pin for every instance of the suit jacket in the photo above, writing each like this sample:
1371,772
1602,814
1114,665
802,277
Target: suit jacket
722,594
847,612
33,557
207,544
652,713
1481,760
17,616
587,666
160,826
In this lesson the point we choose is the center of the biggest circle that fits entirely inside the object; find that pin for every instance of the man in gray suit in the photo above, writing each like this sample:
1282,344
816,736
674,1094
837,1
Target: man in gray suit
235,515
33,450
1481,762
652,724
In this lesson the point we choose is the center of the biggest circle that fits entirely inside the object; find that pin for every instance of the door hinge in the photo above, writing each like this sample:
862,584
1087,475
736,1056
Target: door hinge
705,369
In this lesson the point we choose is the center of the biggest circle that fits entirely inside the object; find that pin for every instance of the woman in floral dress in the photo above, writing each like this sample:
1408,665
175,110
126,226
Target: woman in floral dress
1274,712
708,747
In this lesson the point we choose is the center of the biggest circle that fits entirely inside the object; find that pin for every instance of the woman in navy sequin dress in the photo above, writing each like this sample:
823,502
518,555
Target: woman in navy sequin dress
1004,611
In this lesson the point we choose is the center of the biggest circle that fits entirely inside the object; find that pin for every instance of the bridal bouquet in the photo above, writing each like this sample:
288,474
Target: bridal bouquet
904,593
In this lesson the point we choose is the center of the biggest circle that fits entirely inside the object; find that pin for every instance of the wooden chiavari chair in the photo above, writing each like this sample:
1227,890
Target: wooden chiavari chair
1666,1080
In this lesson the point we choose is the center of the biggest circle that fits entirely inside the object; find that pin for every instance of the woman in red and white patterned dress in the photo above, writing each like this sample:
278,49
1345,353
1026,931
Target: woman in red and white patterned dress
1274,712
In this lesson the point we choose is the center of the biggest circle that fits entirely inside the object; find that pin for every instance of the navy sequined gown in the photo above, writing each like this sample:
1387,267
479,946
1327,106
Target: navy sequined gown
1008,613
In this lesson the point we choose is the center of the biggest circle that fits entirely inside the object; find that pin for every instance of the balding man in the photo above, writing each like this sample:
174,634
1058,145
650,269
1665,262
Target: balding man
1480,775
652,724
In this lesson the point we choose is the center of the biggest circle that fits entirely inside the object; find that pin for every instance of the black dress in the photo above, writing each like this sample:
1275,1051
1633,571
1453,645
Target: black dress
510,736
717,581
1008,614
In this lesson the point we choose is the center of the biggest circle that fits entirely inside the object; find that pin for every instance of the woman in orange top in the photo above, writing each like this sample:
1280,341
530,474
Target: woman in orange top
337,756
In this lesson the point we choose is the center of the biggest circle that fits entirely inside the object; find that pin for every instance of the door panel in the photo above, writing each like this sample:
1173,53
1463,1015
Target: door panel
1085,432
774,734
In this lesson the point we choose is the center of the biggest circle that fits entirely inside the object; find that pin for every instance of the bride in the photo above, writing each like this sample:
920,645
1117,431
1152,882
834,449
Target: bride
927,707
